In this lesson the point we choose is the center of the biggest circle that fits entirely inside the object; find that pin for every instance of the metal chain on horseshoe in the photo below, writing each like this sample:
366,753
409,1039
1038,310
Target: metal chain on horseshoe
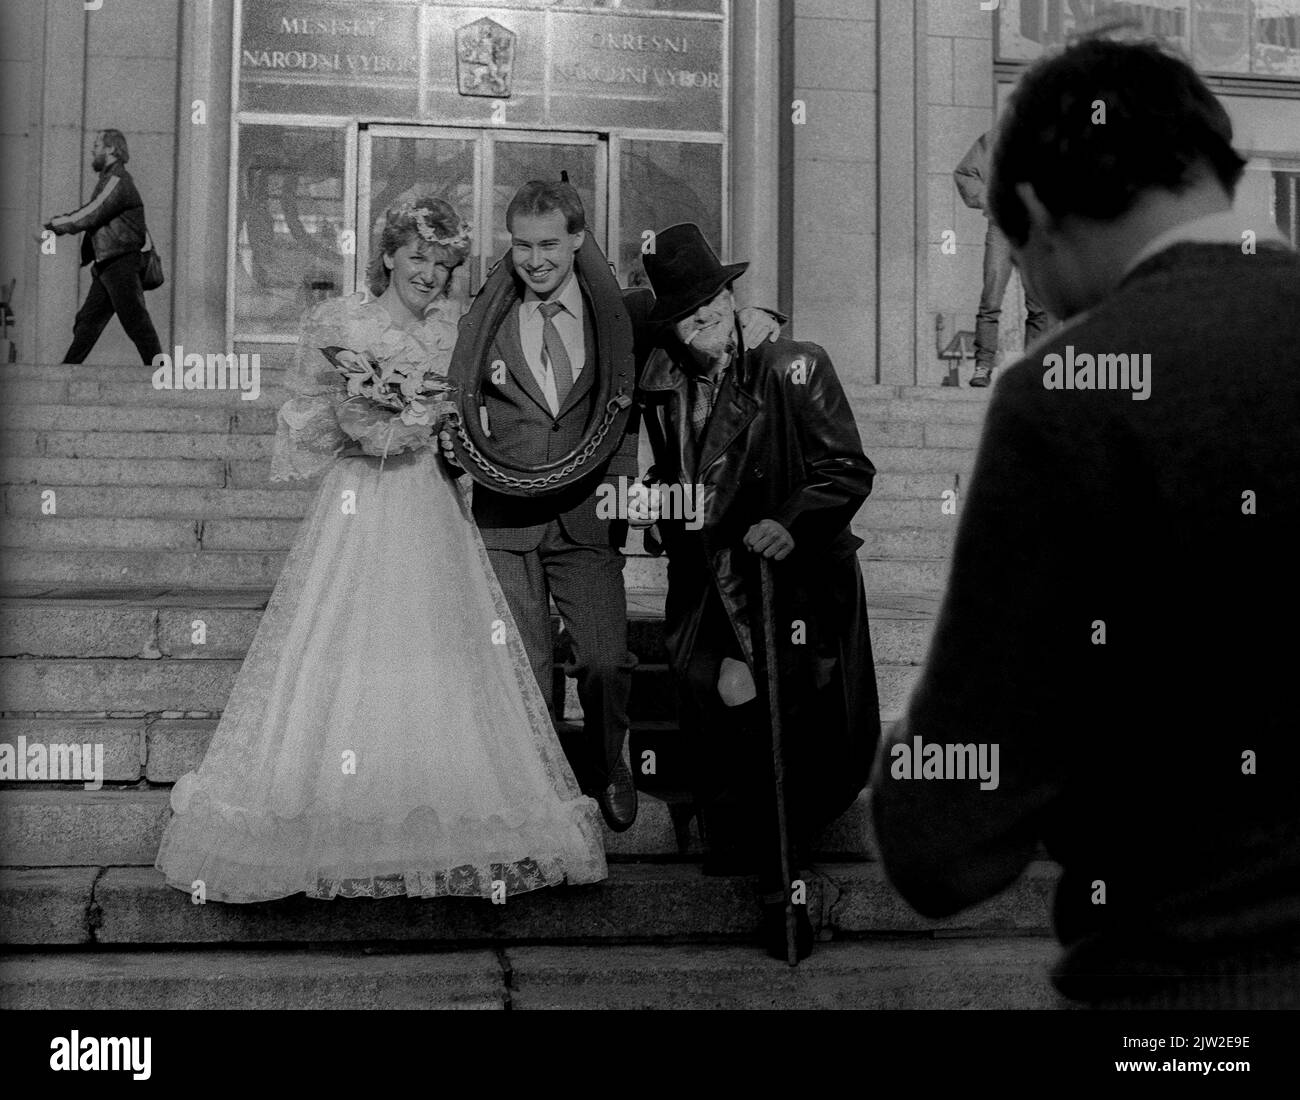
622,401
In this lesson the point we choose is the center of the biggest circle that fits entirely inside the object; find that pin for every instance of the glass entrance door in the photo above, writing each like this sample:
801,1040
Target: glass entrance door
477,171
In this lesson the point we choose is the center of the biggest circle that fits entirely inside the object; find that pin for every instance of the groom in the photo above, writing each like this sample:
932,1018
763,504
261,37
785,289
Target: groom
559,547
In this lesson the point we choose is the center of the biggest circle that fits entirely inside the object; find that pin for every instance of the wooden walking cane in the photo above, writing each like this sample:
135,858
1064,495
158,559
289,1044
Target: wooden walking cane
778,756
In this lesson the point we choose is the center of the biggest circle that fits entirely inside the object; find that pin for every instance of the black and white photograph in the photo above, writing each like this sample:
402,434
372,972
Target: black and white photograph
637,506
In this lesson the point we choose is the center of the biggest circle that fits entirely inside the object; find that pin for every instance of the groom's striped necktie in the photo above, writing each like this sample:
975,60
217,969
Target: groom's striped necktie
554,354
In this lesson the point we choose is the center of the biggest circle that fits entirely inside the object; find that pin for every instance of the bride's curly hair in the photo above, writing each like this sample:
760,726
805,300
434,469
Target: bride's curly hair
434,220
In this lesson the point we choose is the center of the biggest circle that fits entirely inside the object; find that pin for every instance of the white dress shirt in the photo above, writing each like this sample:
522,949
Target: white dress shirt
568,323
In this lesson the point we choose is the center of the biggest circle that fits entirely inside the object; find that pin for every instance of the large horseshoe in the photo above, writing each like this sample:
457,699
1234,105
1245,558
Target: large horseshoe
476,451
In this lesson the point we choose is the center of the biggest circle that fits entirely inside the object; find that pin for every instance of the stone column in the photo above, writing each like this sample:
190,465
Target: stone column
756,149
202,175
64,162
901,182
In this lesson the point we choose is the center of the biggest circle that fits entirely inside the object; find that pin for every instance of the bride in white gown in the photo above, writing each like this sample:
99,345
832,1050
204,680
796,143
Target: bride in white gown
385,735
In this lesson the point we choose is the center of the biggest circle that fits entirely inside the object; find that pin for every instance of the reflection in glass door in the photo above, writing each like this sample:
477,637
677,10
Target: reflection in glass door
514,159
290,214
403,163
477,171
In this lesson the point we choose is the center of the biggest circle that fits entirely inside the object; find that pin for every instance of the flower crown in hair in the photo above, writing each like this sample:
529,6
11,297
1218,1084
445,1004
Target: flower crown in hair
420,215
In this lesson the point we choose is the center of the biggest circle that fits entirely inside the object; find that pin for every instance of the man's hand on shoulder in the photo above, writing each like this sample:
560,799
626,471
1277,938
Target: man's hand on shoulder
757,325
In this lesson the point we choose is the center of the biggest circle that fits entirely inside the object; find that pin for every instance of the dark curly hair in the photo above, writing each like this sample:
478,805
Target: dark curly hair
1163,129
401,225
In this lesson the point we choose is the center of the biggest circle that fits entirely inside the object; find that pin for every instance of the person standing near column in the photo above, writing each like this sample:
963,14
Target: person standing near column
114,237
971,177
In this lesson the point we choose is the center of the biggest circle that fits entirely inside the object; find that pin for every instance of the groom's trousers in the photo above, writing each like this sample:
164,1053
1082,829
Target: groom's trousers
586,583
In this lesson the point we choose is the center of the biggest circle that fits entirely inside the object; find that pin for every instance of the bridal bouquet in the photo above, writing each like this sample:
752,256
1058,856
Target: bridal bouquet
395,400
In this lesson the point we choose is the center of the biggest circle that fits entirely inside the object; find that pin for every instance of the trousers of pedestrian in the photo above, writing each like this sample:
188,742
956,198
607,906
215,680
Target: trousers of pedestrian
115,289
997,273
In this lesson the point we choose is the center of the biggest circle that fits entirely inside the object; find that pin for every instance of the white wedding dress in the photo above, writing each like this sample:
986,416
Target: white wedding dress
385,735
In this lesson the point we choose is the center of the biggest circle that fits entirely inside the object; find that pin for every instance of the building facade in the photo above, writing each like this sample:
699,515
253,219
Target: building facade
815,138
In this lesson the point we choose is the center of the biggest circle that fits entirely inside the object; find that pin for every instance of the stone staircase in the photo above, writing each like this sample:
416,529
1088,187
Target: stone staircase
162,515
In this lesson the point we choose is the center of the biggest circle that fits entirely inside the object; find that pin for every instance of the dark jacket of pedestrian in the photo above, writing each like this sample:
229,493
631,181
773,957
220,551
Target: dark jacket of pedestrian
112,221
971,174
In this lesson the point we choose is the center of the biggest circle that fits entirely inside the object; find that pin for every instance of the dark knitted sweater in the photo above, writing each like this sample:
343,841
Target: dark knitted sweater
1129,760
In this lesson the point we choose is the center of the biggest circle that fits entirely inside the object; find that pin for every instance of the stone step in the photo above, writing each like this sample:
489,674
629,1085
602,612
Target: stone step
134,386
141,445
117,373
204,568
292,502
46,826
639,902
944,974
881,514
126,743
926,485
103,533
39,686
906,542
944,394
164,627
63,472
240,418
270,393
75,501
936,973
280,356
926,575
242,447
922,460
857,389
918,409
161,749
944,436
123,827
878,427
228,569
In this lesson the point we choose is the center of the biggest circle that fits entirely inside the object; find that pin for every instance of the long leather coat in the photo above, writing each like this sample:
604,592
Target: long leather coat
781,444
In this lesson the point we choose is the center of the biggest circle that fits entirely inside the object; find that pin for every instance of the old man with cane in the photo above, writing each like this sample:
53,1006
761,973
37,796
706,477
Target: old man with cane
763,441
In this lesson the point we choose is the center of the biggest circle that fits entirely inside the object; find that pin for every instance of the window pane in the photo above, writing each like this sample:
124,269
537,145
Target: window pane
517,162
289,215
662,183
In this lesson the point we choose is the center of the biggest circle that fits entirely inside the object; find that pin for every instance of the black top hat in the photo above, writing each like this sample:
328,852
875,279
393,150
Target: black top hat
684,272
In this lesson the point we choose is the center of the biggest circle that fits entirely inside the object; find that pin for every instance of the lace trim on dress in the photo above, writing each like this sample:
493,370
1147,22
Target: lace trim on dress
434,857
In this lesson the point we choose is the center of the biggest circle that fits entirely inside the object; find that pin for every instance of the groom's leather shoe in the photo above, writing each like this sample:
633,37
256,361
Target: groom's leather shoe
618,801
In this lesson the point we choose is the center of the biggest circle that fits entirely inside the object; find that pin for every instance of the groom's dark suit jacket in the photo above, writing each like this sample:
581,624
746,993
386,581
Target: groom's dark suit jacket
524,429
